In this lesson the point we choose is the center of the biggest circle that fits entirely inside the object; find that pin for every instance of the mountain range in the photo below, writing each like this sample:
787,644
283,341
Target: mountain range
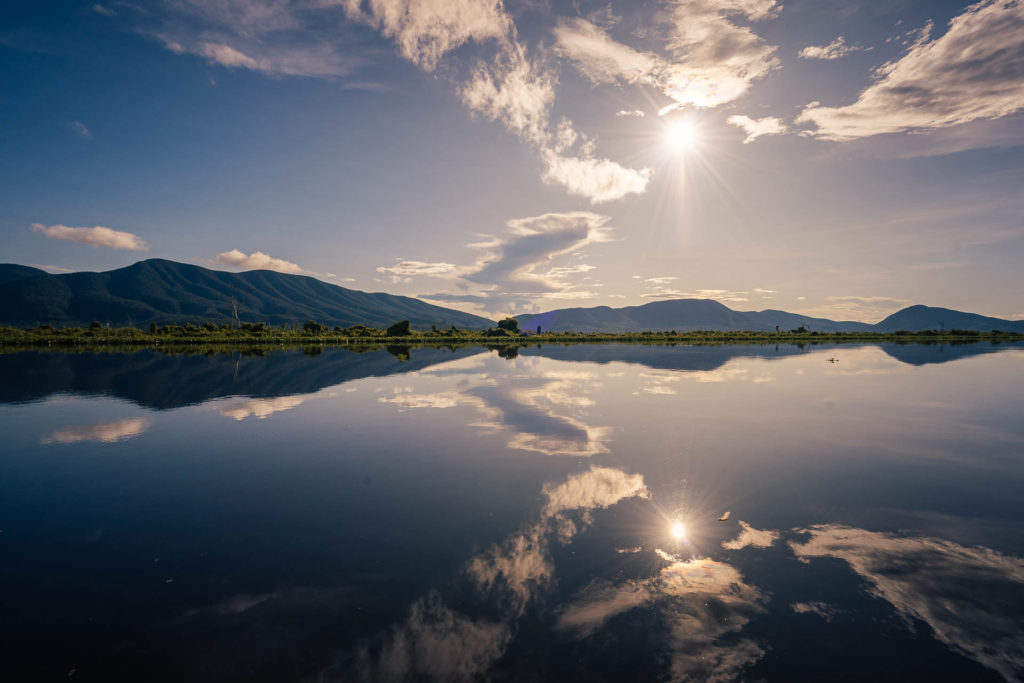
684,315
162,292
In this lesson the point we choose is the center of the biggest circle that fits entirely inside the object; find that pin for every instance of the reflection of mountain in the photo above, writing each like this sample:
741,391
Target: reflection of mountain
926,354
158,380
712,357
664,357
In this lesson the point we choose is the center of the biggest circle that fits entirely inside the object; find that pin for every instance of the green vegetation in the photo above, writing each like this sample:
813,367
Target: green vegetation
507,332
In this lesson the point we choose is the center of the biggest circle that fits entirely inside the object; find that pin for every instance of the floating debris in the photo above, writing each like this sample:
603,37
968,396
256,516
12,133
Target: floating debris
725,517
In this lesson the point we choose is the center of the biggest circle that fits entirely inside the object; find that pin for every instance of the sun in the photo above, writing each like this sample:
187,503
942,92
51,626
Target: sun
681,135
678,531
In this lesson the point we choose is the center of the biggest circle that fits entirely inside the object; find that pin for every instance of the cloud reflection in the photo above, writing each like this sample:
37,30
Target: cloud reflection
970,597
104,432
701,600
752,537
543,411
260,408
437,642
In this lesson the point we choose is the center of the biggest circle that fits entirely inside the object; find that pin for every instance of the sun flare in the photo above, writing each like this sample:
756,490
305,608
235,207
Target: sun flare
678,531
681,135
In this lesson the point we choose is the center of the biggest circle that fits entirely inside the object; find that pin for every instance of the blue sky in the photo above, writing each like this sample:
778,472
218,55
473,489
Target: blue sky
842,159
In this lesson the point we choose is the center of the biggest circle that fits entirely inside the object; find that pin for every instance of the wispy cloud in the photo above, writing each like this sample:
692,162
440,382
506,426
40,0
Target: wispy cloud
52,269
834,50
659,291
924,578
519,92
275,37
258,260
519,266
101,9
971,72
104,432
711,60
755,128
418,268
600,180
633,113
425,30
97,236
81,129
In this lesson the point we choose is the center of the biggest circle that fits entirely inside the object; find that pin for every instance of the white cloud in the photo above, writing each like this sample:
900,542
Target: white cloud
971,72
660,280
635,113
599,57
519,92
257,260
515,90
600,180
711,60
225,55
512,270
755,128
426,29
749,536
834,50
715,60
105,11
417,268
104,432
81,129
97,236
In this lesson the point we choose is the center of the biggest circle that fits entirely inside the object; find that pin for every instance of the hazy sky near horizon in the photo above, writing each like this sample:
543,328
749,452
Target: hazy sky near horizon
834,158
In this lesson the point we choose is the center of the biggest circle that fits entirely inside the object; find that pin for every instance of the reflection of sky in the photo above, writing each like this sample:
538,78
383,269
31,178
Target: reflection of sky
972,598
104,432
429,495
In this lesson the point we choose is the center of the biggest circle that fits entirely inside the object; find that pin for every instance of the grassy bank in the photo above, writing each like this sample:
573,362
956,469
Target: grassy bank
259,335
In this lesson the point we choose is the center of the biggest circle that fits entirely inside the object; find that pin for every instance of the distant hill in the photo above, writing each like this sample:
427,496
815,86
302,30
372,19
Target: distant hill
161,291
9,272
684,315
932,318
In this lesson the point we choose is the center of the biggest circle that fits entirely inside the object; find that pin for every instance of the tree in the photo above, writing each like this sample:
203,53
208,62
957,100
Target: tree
399,329
313,327
510,324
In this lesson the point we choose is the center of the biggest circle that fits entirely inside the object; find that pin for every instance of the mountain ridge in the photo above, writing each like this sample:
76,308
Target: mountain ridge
687,315
163,291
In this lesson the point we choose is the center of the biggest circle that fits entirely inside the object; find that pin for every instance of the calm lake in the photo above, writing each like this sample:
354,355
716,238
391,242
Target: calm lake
577,513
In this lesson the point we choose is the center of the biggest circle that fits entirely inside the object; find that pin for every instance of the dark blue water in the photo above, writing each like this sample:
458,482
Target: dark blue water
554,513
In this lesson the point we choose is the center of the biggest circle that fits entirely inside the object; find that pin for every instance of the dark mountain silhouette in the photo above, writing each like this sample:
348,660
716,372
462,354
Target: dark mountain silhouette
684,315
932,318
164,292
164,381
9,272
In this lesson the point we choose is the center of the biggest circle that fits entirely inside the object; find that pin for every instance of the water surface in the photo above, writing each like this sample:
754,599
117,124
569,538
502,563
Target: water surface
473,514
